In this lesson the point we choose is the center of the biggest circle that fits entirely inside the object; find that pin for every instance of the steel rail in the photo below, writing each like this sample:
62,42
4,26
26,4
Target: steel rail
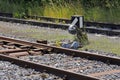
87,23
46,18
37,23
12,51
43,68
58,25
67,21
106,31
77,53
6,14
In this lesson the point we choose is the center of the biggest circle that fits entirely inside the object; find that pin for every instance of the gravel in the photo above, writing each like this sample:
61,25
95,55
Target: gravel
115,76
103,53
74,64
52,42
18,37
57,60
35,32
31,33
10,71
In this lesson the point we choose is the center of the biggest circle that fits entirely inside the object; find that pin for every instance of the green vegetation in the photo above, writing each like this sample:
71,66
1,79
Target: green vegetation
81,37
103,44
93,10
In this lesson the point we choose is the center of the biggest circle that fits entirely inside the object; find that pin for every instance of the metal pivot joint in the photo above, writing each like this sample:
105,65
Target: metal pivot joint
76,21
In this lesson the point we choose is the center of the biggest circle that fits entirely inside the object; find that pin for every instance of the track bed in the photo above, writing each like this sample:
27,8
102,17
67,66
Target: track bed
66,63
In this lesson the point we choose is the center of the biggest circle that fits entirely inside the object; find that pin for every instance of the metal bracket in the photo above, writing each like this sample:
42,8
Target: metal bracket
77,21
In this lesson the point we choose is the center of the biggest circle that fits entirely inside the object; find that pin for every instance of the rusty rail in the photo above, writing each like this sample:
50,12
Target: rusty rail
12,54
66,20
72,52
39,67
62,26
87,23
6,14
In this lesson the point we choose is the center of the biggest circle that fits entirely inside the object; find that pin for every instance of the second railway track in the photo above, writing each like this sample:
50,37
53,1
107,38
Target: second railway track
102,28
67,63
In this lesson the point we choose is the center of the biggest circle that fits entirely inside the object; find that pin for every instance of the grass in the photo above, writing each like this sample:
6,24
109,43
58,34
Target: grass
96,43
110,13
60,11
37,33
97,13
64,10
103,44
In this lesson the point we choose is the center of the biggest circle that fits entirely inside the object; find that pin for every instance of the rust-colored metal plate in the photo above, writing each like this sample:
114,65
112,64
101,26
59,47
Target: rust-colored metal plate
18,54
104,73
11,51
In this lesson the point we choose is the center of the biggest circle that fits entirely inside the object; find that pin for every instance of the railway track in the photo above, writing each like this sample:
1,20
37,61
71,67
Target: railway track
9,71
6,14
102,28
65,63
68,21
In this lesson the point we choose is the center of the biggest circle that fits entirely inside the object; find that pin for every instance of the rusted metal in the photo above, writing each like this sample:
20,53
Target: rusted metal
36,50
42,41
103,24
67,21
43,47
9,47
104,73
11,51
6,14
87,23
11,43
18,54
42,24
77,53
62,20
103,31
35,53
43,68
24,47
65,26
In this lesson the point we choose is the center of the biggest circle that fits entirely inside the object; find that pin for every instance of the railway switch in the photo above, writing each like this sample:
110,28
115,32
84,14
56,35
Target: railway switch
77,21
